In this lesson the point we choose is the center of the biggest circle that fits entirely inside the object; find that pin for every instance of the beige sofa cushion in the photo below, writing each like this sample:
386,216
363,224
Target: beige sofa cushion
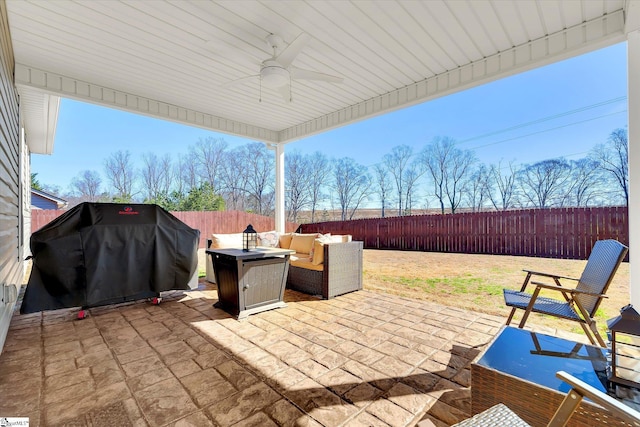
317,257
285,240
226,241
304,262
302,243
318,252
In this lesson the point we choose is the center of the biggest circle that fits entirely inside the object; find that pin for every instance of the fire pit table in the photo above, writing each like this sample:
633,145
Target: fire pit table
250,281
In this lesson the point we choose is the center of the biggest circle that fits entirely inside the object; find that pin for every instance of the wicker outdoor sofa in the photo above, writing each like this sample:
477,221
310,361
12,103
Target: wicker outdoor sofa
341,272
322,265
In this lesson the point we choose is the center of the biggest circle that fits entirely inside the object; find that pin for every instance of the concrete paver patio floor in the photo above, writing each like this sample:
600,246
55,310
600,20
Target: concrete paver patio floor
362,359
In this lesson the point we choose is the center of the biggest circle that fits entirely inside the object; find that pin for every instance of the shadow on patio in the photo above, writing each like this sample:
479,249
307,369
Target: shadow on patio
360,359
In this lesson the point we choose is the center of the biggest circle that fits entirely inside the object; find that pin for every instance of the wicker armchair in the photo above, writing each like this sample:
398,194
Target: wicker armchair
341,273
501,416
579,304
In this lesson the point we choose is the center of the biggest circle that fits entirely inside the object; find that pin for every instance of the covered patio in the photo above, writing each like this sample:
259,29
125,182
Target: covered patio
281,71
277,71
364,358
359,359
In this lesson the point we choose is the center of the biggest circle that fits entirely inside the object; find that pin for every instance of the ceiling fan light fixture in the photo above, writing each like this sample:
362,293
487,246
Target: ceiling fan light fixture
278,71
274,76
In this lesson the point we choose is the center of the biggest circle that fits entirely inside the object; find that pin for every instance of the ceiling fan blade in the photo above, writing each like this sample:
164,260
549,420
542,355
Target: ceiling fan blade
287,56
299,73
285,91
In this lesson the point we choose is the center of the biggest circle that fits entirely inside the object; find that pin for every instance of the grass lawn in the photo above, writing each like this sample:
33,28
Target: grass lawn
475,282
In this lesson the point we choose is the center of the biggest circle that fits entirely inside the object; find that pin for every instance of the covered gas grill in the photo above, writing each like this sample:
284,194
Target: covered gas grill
105,253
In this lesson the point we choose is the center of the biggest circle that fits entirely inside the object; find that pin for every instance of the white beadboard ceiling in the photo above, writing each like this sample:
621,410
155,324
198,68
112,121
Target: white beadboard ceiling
173,59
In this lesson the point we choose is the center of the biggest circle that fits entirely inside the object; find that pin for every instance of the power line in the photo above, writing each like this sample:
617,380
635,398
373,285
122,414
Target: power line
542,120
548,130
545,119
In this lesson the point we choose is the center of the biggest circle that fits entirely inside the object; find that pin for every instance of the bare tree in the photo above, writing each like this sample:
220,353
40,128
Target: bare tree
410,180
352,185
503,186
397,163
478,189
185,177
258,164
449,168
86,185
585,188
613,157
318,174
297,180
208,155
52,189
121,174
157,175
233,179
384,188
544,184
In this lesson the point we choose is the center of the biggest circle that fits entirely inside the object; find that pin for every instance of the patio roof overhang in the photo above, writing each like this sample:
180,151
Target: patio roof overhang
175,60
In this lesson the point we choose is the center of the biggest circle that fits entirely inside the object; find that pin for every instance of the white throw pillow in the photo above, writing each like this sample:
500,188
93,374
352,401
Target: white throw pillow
269,239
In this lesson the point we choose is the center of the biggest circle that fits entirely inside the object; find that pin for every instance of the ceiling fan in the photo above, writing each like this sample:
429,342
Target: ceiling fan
277,71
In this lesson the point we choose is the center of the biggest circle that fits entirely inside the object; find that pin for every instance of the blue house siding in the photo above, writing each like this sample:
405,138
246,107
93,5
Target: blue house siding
40,202
43,200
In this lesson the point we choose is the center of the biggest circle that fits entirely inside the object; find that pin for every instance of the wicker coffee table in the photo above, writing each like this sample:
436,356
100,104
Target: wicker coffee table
518,369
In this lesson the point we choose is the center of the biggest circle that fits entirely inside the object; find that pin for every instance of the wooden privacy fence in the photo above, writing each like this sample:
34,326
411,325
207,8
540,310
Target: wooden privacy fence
568,233
206,221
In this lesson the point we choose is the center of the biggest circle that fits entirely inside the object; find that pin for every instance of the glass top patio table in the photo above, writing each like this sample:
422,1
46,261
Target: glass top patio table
537,357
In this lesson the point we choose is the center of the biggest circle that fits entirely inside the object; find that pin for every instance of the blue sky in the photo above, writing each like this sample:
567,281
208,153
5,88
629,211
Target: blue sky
575,105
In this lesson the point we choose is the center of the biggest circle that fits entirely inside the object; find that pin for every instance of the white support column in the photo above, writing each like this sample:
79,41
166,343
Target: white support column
633,57
280,212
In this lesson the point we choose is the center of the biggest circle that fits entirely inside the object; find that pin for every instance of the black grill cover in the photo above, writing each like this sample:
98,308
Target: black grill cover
105,253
